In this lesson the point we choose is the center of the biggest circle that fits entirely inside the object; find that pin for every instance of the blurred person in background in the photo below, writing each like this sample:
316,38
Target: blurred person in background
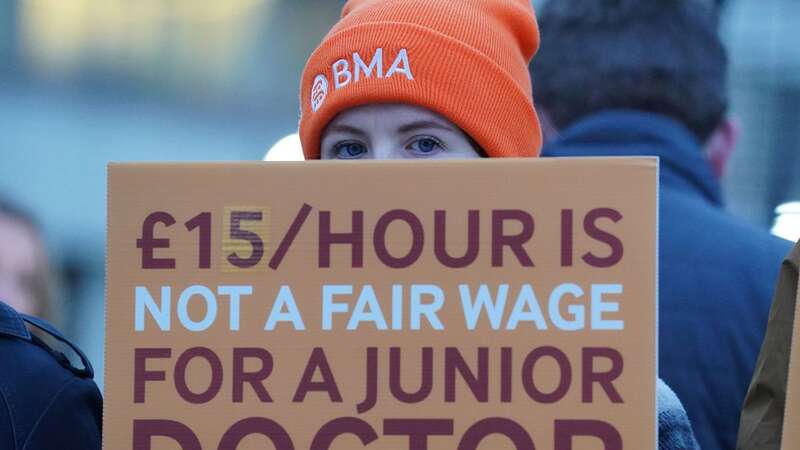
421,93
648,78
26,281
45,401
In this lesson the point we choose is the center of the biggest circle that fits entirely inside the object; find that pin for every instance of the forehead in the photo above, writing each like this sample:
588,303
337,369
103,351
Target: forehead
385,114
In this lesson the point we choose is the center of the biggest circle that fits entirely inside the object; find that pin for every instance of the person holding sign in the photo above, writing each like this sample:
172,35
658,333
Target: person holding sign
434,80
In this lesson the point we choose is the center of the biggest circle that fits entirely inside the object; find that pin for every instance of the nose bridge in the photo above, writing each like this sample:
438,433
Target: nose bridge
385,147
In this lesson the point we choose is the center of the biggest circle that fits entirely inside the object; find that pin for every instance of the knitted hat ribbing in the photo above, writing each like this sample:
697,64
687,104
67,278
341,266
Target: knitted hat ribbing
464,59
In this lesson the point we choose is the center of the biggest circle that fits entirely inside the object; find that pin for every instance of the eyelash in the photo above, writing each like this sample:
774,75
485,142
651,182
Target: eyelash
337,149
418,138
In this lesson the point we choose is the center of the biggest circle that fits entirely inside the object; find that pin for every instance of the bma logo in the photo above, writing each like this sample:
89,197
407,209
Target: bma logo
345,72
319,90
355,69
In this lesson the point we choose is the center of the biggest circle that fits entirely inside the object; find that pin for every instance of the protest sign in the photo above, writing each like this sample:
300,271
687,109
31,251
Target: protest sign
503,304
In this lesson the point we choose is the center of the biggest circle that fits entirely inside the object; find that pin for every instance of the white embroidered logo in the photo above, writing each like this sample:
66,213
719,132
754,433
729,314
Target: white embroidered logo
345,72
319,90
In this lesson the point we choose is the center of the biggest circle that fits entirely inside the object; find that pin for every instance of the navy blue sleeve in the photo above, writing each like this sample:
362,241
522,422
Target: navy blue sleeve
674,429
72,421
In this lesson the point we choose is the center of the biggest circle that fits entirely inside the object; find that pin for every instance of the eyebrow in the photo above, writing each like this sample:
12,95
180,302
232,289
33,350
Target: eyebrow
348,129
423,124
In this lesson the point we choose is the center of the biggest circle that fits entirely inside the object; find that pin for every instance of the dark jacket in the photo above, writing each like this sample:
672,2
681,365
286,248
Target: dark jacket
716,273
45,402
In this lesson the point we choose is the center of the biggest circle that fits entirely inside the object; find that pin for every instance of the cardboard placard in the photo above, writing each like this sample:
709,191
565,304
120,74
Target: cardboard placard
791,420
467,305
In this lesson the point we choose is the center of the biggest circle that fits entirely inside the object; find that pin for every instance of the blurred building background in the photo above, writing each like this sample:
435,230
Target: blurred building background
87,82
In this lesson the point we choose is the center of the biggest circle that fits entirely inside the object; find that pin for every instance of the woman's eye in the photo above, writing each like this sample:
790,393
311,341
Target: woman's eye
349,150
425,145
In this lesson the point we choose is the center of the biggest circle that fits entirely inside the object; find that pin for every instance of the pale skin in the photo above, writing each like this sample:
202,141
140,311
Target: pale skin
19,263
394,131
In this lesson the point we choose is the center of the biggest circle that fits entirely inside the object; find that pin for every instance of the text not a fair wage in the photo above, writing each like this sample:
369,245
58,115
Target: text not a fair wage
567,307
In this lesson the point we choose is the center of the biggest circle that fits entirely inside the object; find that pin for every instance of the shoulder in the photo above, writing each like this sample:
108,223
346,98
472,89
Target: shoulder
674,429
715,235
44,399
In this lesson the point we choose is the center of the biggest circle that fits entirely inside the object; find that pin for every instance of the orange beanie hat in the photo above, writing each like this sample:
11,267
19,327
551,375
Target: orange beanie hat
464,59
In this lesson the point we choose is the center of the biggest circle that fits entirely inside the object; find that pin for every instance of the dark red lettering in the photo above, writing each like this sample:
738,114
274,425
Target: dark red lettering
565,430
250,238
566,238
440,239
343,425
371,396
203,222
317,360
355,239
140,372
148,242
180,376
417,238
565,374
506,372
425,371
289,237
145,430
496,425
592,230
418,430
604,379
478,384
515,242
256,378
256,425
